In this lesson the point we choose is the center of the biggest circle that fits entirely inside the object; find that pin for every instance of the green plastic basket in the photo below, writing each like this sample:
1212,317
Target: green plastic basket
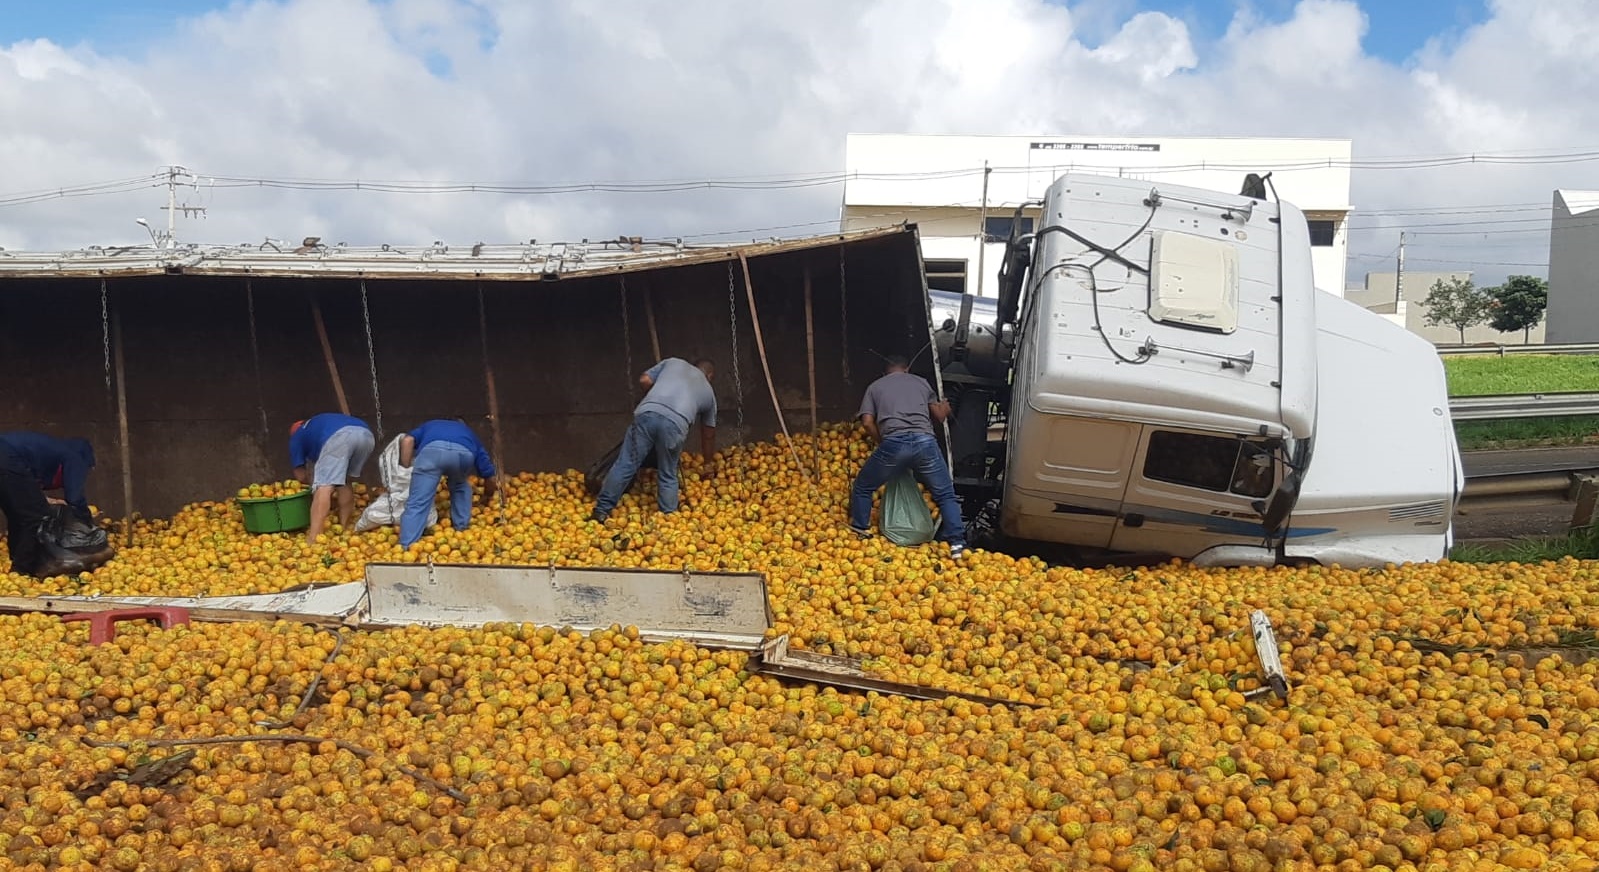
277,514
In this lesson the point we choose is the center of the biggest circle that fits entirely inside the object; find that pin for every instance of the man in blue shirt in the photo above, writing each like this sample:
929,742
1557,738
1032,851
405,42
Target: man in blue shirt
30,464
679,395
335,448
443,449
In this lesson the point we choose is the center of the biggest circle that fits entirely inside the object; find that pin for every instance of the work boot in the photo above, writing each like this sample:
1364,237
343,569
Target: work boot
52,567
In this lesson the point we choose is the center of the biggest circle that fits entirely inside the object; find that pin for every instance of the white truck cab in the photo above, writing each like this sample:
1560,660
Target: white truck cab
1178,386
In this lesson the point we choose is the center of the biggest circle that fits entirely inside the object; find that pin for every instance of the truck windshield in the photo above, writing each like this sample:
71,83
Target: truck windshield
1223,464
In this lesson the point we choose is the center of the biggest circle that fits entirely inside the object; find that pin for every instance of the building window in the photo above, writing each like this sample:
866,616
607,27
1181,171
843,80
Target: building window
998,229
1223,464
946,275
1322,231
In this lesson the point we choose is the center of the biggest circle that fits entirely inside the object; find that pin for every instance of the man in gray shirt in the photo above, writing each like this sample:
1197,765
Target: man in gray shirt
679,395
899,411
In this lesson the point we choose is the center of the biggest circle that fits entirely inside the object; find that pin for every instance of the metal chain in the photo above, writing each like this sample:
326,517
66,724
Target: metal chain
255,359
105,333
732,317
627,336
372,361
843,314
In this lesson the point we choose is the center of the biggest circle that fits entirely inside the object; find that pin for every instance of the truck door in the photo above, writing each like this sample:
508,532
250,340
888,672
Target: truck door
1192,490
1066,478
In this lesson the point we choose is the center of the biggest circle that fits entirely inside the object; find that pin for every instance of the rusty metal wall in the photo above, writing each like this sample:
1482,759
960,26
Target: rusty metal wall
196,394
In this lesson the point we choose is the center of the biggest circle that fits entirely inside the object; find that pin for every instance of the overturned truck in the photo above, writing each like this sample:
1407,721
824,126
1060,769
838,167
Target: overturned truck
1159,376
185,365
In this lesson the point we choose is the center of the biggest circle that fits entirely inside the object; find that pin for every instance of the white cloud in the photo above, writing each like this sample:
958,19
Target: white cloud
563,90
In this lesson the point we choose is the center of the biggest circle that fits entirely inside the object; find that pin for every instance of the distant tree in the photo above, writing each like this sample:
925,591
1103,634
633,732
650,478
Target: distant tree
1458,303
1518,304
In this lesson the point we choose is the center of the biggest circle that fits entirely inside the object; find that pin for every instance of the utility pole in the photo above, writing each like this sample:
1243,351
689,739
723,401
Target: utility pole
982,231
1399,275
174,174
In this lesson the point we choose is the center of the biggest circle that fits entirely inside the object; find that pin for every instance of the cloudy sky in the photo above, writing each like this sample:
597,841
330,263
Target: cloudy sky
538,92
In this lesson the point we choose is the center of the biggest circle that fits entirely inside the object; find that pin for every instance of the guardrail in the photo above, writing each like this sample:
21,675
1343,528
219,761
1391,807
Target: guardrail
1536,488
1496,407
1502,350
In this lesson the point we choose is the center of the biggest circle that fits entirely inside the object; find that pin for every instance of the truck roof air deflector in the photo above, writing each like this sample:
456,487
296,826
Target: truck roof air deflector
1194,282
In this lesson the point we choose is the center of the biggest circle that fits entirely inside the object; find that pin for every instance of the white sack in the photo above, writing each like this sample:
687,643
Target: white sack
390,505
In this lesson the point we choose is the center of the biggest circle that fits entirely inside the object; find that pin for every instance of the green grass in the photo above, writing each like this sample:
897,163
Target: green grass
1478,375
1582,544
1527,433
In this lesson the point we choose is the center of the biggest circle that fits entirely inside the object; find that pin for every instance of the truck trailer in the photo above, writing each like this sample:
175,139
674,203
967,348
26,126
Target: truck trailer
1158,375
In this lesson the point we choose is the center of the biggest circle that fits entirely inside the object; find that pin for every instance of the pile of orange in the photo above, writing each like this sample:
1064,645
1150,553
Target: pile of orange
1442,716
271,489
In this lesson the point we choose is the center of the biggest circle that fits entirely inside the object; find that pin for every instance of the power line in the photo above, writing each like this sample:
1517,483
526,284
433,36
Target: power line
90,189
824,178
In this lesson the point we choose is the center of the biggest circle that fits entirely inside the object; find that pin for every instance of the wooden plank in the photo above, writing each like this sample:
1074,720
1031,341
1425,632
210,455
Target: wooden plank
766,367
327,353
126,451
488,378
810,346
649,316
777,659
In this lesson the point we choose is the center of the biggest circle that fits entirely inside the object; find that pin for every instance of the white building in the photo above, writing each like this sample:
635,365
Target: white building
937,182
1574,268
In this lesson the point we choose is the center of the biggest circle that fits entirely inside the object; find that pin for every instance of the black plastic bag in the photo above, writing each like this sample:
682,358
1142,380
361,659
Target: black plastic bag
72,545
594,478
74,535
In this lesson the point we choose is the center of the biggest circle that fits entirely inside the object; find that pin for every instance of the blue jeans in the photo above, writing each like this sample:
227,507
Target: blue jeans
918,452
434,461
649,431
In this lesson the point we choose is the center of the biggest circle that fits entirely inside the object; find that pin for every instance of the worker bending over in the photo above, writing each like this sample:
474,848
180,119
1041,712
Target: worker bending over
335,447
443,449
899,411
679,395
30,464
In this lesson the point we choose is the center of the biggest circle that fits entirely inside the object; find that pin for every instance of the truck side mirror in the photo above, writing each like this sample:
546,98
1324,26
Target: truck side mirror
1274,512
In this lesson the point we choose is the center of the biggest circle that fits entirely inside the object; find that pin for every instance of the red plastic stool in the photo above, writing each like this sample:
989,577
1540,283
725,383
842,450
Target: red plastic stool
102,624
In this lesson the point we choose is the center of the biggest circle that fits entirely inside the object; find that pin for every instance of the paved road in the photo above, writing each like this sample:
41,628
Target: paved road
1527,460
1513,523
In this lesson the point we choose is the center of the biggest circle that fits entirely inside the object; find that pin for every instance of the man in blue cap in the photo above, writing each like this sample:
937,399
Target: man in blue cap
30,464
329,449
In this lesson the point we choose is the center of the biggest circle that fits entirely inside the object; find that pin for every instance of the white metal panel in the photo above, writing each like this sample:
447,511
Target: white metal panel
329,601
1195,282
723,609
1375,450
